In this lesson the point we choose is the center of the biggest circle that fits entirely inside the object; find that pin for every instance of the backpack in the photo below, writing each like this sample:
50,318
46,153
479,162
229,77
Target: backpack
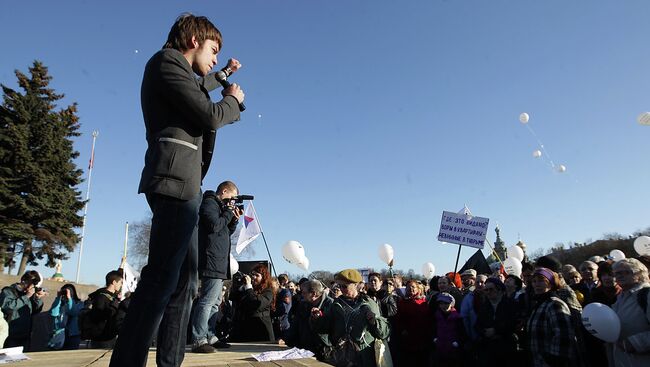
345,353
89,326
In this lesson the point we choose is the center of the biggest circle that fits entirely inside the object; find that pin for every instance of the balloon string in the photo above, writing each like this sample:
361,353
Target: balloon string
541,145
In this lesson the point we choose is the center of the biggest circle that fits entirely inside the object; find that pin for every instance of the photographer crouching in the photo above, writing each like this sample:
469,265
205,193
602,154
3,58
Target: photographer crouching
218,217
253,298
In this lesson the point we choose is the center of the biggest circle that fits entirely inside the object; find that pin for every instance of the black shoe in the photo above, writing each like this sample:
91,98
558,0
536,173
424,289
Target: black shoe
204,348
220,345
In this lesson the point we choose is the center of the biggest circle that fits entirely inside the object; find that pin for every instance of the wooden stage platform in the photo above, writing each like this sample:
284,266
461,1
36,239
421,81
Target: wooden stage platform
239,355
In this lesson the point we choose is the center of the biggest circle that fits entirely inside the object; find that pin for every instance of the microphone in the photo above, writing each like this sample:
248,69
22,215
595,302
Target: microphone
244,197
222,78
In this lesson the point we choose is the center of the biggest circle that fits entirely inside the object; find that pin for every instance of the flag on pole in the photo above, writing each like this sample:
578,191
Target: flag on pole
91,163
250,228
130,279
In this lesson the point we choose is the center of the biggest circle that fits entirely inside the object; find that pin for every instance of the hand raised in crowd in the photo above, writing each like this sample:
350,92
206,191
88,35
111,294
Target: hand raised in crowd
247,280
238,213
316,312
233,65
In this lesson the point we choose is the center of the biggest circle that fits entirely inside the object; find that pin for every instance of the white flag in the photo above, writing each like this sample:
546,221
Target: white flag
130,280
250,228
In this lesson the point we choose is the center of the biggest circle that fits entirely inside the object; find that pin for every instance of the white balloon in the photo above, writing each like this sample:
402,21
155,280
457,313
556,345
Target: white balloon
601,322
537,153
428,270
292,251
644,119
642,245
523,118
617,255
515,252
561,168
386,253
512,266
303,263
234,265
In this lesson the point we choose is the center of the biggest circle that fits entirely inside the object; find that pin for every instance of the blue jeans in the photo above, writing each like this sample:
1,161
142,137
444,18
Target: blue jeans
206,309
168,283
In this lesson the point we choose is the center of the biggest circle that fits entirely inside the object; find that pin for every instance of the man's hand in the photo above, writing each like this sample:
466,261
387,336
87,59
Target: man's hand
233,65
235,91
237,212
316,312
40,294
247,280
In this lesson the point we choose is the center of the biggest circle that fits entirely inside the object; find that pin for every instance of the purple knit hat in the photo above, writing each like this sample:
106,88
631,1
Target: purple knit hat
446,298
546,273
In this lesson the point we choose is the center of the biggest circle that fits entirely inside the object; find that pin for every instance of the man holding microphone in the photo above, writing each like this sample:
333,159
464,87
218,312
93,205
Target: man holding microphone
181,123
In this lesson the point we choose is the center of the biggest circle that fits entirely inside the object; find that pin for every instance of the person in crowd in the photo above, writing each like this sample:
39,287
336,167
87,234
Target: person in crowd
387,303
400,290
568,295
472,303
291,286
19,302
283,280
224,319
98,324
589,279
450,283
300,333
65,314
433,289
181,127
254,302
567,270
448,335
283,306
468,277
335,291
607,290
551,335
514,287
413,327
353,324
218,218
633,309
573,278
496,325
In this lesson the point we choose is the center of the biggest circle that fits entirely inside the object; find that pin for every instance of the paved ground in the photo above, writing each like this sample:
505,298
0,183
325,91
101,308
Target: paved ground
237,356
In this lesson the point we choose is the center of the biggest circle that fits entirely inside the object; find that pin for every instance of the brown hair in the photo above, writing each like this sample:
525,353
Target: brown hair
266,283
188,25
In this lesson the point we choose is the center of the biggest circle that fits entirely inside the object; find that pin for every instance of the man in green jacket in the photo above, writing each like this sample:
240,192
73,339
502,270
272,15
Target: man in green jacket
353,323
19,302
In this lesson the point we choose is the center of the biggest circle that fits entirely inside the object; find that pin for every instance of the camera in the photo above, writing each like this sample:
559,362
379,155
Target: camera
239,200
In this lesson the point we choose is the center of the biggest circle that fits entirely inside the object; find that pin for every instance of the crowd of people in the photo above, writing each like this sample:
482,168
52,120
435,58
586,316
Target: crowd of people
465,319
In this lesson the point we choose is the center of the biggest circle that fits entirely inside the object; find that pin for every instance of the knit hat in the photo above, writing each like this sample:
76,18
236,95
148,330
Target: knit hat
445,297
348,276
550,263
546,273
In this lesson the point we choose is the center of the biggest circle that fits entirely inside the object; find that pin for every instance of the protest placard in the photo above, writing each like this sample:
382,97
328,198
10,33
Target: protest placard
463,229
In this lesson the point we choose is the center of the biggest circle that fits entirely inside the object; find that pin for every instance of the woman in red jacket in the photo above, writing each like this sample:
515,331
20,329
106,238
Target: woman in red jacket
414,326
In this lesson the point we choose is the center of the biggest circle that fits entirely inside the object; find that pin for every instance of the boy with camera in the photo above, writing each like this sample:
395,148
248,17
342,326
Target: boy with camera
19,302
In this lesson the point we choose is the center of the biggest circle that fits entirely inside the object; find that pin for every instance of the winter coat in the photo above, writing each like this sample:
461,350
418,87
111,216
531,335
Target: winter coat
302,334
449,329
216,224
70,309
357,327
18,310
635,329
413,324
551,333
504,320
104,309
253,316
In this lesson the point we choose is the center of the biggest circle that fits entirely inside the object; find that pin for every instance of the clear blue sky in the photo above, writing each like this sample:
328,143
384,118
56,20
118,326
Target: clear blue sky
367,119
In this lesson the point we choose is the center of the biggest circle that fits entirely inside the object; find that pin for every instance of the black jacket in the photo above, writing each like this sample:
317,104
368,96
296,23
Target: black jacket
216,224
104,310
181,123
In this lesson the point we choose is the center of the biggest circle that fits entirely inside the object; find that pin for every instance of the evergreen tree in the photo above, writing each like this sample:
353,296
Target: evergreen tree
39,204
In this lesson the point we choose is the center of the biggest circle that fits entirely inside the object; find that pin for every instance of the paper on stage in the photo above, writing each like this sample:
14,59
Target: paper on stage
9,355
293,353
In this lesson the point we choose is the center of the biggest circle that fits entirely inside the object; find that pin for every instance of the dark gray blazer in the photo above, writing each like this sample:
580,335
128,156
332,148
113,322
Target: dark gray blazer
181,123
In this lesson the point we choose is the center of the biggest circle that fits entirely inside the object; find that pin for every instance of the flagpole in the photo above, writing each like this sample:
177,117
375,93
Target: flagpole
457,257
257,217
83,226
126,243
